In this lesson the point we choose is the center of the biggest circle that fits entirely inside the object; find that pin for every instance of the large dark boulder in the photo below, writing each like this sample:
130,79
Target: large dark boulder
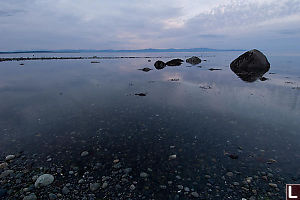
251,65
174,62
159,64
194,60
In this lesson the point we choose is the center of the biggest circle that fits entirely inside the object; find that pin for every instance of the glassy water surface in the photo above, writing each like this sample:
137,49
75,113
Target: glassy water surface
212,121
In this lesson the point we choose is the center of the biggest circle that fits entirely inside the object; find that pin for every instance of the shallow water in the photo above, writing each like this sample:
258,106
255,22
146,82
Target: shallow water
60,108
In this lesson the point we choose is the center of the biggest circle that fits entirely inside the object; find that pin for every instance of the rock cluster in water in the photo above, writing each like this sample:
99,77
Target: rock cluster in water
194,60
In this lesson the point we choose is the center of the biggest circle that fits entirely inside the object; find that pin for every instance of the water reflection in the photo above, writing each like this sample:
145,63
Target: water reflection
250,76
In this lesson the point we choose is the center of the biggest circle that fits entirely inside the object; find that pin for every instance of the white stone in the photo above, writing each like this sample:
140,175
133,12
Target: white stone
85,153
44,180
10,157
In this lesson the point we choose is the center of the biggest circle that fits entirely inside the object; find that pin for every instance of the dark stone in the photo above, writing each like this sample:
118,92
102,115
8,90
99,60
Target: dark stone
194,60
233,156
146,69
250,66
140,94
214,69
174,62
159,64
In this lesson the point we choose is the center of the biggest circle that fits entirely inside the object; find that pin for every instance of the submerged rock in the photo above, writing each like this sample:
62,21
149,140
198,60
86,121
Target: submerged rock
214,69
6,173
174,62
159,64
140,94
30,197
84,153
194,60
145,69
250,66
10,157
94,186
44,180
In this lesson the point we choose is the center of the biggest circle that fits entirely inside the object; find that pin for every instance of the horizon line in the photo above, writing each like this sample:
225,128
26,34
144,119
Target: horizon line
119,50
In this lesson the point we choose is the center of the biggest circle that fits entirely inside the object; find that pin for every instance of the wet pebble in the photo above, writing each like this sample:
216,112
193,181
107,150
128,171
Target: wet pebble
52,196
65,190
230,174
180,187
94,186
172,157
104,185
195,194
132,187
6,173
144,175
273,185
84,153
10,157
44,180
30,197
3,165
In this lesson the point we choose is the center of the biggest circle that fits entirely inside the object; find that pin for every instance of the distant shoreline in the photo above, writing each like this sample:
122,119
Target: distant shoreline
73,58
121,51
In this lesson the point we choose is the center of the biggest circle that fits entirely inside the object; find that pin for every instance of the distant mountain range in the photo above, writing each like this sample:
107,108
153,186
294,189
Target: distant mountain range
117,51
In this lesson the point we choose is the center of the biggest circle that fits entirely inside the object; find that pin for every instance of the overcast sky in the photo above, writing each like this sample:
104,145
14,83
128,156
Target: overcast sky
136,24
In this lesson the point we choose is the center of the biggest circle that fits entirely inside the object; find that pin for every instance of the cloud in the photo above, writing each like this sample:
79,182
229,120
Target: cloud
91,24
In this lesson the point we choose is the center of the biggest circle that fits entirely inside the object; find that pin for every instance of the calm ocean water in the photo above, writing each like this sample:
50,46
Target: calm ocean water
60,108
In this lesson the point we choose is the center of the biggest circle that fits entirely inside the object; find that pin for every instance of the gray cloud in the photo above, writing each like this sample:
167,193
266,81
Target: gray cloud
90,24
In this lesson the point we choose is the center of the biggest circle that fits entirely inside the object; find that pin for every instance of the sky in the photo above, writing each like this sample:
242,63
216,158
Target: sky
139,24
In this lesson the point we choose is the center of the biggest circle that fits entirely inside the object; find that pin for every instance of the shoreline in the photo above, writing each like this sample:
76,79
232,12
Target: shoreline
75,58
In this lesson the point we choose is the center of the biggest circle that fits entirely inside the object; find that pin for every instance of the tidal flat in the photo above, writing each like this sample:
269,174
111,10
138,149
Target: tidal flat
123,129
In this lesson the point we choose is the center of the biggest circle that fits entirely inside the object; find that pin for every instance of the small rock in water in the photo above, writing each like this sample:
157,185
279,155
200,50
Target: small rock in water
146,69
174,62
44,180
273,185
143,175
3,165
104,185
236,183
132,187
194,60
6,173
233,156
85,153
52,196
195,194
159,64
229,174
140,94
172,157
180,187
94,186
10,157
65,190
270,161
30,197
214,69
163,187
